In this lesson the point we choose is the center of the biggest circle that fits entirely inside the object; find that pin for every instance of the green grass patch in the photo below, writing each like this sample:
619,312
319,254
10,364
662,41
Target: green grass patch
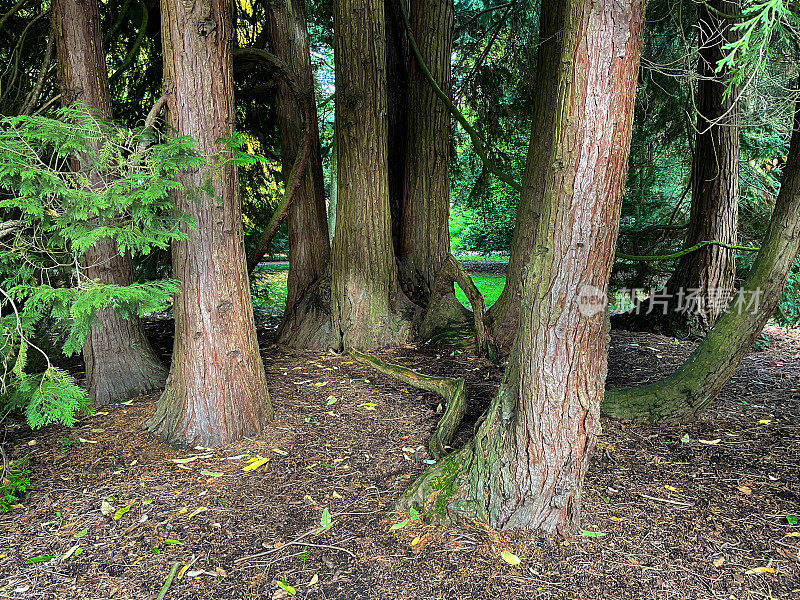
489,285
269,288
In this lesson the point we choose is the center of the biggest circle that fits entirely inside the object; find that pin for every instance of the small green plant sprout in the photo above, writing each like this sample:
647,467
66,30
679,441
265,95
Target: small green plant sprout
223,502
791,519
325,521
281,583
67,442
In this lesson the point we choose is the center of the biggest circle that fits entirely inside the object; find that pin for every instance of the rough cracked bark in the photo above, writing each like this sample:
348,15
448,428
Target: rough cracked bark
216,391
120,362
364,299
503,316
685,394
698,291
424,244
526,465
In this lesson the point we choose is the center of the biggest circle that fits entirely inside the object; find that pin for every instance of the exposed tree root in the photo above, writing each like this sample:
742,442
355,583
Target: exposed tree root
453,270
449,388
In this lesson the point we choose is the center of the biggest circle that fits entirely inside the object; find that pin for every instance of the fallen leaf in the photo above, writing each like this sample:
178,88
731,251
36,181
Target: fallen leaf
81,533
399,525
281,452
70,552
593,533
710,442
718,561
121,512
671,488
313,581
255,463
211,473
758,570
368,406
331,400
197,511
106,508
37,559
745,490
319,383
793,534
415,541
510,558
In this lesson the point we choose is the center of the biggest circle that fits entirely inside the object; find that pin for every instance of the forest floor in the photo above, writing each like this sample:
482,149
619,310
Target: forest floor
696,511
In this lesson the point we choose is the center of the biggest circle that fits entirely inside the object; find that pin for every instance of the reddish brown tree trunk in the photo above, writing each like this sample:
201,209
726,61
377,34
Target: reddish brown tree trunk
309,248
425,234
503,316
216,391
425,231
120,362
526,466
364,290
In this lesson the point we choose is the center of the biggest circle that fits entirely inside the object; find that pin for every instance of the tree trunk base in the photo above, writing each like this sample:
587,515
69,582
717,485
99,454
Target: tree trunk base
310,325
120,363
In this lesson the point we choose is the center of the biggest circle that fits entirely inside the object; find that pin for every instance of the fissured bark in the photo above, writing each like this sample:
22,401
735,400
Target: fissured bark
526,465
120,363
216,391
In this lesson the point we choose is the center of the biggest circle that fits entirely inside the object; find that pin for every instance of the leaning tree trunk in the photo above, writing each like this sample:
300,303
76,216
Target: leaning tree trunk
216,391
364,292
699,289
120,363
526,464
424,244
685,394
503,316
309,248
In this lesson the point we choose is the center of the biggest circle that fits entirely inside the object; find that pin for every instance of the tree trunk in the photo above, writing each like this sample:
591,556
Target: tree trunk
364,291
309,248
216,391
503,316
120,363
526,464
699,289
397,103
425,231
685,394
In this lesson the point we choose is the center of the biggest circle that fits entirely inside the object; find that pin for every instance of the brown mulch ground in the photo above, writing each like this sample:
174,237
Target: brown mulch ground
682,519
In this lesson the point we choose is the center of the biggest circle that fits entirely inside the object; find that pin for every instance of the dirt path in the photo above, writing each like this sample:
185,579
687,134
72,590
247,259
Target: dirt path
681,519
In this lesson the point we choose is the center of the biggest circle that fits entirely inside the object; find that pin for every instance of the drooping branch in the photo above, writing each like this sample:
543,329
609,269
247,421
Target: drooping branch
292,185
275,64
33,98
695,248
483,342
12,11
449,388
474,136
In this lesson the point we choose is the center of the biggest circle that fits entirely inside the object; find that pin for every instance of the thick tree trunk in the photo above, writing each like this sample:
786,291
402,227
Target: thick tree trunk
503,316
685,394
702,283
216,391
120,362
364,292
424,230
526,465
398,107
309,248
